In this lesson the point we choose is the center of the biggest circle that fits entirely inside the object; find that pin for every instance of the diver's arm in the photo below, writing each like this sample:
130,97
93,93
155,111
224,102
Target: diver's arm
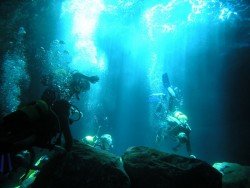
62,109
66,132
92,79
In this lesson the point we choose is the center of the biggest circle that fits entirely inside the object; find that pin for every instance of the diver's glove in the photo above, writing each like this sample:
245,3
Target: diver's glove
93,79
192,156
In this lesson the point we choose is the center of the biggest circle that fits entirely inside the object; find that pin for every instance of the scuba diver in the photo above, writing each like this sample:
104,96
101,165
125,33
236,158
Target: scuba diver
76,83
38,124
173,123
104,142
177,128
81,83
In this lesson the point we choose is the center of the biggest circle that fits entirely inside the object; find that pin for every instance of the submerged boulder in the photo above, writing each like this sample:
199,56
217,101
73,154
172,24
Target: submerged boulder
84,166
234,175
148,167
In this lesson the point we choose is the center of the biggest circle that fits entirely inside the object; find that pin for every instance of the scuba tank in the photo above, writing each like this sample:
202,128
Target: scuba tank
36,110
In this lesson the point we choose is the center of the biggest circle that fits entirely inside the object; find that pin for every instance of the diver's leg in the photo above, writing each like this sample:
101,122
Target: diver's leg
177,147
171,104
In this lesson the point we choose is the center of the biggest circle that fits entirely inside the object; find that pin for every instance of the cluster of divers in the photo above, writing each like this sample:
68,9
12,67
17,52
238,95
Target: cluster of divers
45,123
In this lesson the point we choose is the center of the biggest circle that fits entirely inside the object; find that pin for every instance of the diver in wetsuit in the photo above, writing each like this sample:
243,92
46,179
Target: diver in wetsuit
81,83
40,123
179,129
76,84
176,127
103,142
174,124
36,124
60,105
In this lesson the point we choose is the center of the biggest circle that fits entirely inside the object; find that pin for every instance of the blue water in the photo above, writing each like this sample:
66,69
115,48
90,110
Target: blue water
129,45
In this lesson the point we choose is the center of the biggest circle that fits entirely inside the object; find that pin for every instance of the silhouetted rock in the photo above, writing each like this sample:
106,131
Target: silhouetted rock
234,175
148,167
84,166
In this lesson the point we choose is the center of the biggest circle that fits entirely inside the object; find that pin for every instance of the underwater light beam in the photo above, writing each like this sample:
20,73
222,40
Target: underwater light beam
85,15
